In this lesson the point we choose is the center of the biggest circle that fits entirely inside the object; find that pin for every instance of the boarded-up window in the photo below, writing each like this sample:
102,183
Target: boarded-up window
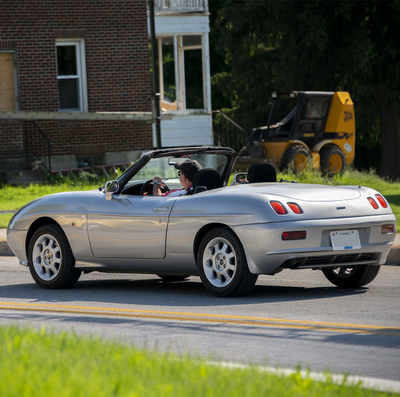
7,82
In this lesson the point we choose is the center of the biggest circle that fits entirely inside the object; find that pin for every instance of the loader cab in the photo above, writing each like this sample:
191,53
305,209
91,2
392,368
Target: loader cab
299,116
310,124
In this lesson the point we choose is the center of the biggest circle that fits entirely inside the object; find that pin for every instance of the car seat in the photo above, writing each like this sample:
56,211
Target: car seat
261,172
206,179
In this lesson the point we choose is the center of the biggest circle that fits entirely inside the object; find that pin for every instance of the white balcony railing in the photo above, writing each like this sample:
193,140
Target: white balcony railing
181,5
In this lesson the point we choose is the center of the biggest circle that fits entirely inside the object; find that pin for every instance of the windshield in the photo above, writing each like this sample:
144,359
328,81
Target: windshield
164,167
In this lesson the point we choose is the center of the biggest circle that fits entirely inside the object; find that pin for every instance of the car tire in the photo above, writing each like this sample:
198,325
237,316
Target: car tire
50,259
222,264
333,160
297,158
173,277
351,277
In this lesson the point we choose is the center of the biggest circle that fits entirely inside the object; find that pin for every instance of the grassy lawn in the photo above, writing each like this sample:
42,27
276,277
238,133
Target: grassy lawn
48,364
14,197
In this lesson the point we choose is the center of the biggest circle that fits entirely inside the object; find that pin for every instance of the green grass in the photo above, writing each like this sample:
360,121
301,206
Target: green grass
44,364
14,197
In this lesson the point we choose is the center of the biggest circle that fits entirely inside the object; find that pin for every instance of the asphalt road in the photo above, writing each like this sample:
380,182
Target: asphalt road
294,318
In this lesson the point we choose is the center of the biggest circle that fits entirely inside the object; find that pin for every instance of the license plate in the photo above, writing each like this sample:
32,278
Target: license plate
345,240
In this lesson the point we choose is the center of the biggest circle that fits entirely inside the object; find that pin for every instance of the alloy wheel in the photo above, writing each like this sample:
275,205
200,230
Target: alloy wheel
219,262
46,257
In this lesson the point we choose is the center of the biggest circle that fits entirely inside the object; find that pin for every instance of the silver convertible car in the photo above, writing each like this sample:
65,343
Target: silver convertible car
227,235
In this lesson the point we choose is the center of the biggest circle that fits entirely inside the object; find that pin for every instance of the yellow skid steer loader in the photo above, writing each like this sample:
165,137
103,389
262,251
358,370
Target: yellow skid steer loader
319,131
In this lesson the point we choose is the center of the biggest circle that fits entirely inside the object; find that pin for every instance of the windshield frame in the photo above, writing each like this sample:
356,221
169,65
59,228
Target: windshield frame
181,152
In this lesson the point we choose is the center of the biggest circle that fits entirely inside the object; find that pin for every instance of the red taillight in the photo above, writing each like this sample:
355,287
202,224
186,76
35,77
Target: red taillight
278,207
295,208
373,203
301,235
387,229
381,200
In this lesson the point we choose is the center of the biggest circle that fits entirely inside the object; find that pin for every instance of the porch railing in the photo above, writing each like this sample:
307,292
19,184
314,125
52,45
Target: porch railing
226,132
37,145
181,5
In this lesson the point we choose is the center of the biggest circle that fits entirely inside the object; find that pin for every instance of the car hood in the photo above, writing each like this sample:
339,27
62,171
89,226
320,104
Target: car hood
57,203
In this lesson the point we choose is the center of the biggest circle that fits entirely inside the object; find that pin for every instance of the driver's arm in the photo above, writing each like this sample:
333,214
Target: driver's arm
157,184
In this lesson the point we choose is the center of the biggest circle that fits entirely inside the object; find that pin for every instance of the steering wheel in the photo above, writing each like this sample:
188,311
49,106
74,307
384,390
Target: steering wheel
149,182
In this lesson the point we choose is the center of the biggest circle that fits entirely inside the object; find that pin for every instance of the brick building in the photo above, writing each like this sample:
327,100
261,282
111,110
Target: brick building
89,57
74,56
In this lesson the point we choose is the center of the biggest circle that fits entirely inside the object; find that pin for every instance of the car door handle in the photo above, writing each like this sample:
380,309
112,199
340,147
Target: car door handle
161,209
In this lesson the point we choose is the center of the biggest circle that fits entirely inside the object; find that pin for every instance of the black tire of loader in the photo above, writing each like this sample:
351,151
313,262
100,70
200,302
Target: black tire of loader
326,154
290,154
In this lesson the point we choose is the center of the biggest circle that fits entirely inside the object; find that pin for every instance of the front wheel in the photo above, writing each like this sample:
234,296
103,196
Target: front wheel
222,264
351,277
50,259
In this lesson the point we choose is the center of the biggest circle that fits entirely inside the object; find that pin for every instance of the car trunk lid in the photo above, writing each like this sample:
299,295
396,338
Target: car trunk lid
309,192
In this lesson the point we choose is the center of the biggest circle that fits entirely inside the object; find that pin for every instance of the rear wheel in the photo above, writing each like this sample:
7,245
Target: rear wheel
350,277
296,158
50,259
222,264
333,160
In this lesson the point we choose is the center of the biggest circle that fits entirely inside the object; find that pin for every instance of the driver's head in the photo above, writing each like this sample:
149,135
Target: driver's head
188,168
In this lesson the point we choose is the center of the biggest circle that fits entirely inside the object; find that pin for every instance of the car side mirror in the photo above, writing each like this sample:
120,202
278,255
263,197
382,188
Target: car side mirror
110,188
239,179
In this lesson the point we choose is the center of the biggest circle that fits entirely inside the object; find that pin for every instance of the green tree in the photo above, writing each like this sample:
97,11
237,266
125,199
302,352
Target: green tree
313,45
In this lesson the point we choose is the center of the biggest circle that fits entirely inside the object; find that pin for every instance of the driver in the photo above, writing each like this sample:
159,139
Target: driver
186,172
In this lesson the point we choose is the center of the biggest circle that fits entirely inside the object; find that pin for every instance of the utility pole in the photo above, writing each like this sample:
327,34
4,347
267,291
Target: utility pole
156,84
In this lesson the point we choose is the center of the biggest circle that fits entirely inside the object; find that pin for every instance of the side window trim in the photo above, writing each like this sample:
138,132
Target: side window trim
79,45
179,48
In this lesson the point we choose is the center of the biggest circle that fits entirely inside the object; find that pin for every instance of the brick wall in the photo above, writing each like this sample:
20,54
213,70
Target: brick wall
117,64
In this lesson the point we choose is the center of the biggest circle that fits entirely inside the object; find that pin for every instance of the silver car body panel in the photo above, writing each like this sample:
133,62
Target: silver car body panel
129,227
68,210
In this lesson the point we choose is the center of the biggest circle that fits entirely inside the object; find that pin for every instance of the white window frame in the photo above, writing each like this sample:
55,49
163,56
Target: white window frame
79,45
180,83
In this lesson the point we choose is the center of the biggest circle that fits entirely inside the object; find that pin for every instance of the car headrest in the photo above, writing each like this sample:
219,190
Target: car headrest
207,177
261,172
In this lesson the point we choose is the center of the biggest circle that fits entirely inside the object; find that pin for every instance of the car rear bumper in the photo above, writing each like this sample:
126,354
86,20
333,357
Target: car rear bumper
267,253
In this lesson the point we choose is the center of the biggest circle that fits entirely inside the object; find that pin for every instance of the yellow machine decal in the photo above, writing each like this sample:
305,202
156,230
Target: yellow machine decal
340,126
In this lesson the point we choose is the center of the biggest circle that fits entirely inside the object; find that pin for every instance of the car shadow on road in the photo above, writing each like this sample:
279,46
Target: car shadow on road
155,292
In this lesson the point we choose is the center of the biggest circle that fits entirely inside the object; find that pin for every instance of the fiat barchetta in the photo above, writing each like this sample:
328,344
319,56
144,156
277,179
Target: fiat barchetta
227,229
